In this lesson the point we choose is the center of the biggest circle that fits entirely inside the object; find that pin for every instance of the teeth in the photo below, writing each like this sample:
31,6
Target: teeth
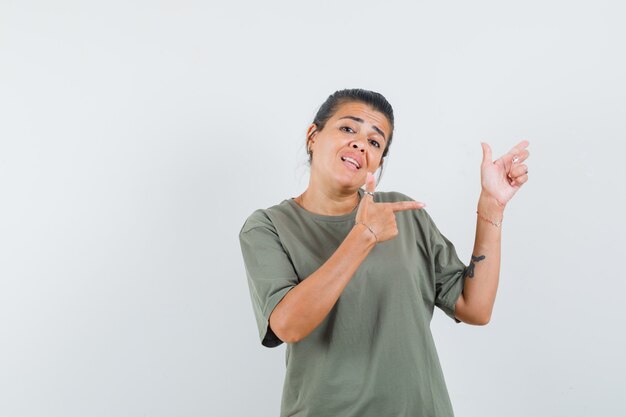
353,161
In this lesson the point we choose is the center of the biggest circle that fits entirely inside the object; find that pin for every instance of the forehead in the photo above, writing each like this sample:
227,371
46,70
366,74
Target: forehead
365,112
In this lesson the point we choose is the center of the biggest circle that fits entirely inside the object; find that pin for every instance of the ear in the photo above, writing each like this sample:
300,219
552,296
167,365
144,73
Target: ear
310,134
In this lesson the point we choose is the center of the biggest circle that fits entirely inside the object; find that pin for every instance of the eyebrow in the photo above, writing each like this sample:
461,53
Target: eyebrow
358,119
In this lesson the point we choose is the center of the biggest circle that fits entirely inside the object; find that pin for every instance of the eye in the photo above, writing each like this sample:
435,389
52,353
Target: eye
346,127
375,143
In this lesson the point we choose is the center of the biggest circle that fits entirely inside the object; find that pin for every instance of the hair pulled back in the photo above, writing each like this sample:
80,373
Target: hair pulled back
375,100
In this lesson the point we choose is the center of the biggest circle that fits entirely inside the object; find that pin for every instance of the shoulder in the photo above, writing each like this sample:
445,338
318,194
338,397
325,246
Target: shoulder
264,217
258,218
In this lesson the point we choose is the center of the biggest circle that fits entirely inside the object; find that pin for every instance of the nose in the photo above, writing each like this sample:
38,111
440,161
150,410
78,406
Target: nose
358,145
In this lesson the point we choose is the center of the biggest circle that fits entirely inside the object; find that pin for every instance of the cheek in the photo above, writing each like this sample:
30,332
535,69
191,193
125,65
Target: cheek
378,161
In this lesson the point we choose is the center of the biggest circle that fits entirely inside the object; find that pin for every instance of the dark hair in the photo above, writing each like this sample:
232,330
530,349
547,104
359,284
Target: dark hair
375,100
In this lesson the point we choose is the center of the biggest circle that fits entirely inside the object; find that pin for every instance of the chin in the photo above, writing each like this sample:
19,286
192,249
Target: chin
351,182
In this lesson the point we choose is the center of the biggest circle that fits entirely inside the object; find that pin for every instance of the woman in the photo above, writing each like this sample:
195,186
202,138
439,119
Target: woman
349,278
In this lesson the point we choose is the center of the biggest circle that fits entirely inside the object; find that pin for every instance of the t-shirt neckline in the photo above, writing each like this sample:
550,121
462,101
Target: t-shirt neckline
323,217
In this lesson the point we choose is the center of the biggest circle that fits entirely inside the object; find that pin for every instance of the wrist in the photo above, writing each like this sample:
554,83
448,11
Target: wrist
365,234
490,207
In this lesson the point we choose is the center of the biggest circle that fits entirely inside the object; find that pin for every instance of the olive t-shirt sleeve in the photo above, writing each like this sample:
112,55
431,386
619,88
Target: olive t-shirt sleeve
269,271
449,272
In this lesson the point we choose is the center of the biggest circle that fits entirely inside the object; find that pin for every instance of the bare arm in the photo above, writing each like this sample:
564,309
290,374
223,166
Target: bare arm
475,305
501,179
306,305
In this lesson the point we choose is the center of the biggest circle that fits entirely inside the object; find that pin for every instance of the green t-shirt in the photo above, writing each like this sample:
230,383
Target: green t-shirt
374,354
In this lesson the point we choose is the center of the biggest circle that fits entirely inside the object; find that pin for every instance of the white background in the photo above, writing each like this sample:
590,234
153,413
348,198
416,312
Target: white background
136,137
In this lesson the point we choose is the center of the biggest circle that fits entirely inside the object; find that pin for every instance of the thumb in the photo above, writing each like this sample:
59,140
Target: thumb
370,183
486,153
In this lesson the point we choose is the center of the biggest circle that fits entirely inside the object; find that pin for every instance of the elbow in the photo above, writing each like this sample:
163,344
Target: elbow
282,331
470,314
284,335
482,319
290,336
287,336
476,318
292,340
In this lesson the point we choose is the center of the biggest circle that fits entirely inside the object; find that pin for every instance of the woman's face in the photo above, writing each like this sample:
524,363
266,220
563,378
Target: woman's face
350,145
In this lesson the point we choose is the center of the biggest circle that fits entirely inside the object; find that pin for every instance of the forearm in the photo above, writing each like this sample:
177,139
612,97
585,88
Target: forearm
482,275
306,305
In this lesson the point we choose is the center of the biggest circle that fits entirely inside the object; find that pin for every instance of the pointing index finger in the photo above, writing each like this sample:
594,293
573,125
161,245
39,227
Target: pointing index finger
513,156
519,147
406,205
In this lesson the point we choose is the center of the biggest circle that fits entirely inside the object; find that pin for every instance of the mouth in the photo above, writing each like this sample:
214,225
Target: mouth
351,161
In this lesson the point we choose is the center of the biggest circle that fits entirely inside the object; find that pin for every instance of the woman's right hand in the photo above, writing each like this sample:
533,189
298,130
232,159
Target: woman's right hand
380,217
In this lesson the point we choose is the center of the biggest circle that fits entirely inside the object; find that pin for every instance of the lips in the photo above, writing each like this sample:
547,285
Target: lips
353,159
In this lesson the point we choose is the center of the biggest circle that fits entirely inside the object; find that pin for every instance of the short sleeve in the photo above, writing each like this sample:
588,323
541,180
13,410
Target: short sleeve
449,272
269,271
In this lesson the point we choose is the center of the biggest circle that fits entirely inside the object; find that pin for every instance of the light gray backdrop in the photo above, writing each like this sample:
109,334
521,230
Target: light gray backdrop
137,136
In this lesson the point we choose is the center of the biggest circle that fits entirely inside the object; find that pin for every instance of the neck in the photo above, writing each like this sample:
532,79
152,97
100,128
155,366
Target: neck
327,202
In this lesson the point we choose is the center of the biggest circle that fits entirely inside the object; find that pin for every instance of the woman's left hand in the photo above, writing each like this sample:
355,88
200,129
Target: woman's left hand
502,178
